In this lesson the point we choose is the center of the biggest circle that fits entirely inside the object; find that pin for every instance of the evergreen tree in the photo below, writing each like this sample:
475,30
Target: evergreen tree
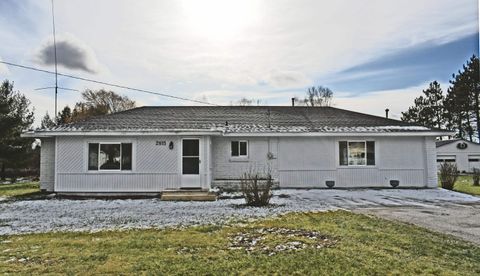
65,116
428,109
463,102
47,122
15,117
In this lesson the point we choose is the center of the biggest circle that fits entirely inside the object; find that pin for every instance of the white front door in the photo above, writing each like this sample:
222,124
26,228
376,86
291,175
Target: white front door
190,163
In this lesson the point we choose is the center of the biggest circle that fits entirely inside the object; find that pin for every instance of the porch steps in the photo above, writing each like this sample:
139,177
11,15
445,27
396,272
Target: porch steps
188,195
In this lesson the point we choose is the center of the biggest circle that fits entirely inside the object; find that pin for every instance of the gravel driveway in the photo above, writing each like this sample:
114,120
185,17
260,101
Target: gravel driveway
29,216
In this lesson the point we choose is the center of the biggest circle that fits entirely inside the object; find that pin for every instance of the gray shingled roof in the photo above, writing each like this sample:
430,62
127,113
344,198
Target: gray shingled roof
229,119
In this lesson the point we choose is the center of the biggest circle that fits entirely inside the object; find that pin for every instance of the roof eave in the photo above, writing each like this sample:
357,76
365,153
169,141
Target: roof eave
39,134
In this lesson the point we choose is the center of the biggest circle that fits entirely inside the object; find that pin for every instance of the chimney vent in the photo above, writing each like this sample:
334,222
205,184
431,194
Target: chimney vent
293,102
386,113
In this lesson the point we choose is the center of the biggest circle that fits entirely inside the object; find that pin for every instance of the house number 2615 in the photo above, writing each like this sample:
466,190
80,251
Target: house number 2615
161,143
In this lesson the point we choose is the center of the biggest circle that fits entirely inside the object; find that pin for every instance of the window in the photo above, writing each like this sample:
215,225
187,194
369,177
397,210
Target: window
239,148
190,156
446,158
109,156
357,153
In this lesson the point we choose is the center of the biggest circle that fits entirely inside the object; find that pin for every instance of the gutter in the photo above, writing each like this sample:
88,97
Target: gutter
34,134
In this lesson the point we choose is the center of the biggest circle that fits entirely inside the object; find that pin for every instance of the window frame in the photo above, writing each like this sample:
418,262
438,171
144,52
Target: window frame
364,141
239,151
118,142
446,158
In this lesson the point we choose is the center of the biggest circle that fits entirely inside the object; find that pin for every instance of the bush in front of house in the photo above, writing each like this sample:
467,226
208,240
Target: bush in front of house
448,175
256,189
476,177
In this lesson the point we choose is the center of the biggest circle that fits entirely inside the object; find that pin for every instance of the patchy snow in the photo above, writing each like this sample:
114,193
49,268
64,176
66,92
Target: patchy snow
28,216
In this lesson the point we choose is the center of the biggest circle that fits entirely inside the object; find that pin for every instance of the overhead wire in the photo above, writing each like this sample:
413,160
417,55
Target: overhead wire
106,83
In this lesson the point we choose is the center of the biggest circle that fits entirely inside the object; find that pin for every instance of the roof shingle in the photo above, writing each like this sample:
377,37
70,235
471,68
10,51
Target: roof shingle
238,119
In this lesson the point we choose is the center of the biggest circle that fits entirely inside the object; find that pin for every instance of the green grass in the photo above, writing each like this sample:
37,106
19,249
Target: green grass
20,189
464,184
366,245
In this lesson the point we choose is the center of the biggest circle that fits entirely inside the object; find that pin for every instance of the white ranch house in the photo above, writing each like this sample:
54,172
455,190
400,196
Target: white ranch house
152,149
464,153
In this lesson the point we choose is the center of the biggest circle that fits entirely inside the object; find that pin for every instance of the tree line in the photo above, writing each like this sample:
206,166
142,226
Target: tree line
457,110
18,156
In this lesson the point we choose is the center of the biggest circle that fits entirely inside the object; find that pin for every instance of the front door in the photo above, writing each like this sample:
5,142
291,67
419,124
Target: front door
191,163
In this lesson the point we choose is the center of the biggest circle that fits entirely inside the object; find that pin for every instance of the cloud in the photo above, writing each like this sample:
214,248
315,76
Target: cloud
286,79
407,67
71,53
397,100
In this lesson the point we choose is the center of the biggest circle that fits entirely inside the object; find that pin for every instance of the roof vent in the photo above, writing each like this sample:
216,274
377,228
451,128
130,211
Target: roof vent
386,113
226,123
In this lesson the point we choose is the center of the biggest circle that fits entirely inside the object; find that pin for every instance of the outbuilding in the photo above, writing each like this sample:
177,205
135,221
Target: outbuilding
152,149
464,153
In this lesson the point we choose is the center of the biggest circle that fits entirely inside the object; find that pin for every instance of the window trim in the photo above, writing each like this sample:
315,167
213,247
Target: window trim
239,156
120,142
348,153
446,158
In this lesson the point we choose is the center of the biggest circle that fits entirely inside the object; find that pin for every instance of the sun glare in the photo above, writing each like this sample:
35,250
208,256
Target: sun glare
219,19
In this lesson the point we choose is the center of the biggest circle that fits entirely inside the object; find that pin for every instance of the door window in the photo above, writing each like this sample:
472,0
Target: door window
190,156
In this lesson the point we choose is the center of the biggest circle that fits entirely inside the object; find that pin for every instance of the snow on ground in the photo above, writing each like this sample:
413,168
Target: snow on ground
45,215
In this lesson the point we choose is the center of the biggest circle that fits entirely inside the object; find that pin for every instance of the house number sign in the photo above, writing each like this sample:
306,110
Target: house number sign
160,143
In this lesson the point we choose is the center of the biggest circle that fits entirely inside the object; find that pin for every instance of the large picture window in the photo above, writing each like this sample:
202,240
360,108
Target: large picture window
109,156
239,148
357,153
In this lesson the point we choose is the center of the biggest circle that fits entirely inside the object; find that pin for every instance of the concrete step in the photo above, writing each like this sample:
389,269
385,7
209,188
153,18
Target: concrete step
188,195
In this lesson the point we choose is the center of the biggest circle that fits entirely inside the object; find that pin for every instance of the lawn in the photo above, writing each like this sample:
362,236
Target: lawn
346,243
464,184
19,189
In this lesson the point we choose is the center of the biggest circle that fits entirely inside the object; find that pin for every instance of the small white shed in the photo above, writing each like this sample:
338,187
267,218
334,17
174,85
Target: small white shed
464,153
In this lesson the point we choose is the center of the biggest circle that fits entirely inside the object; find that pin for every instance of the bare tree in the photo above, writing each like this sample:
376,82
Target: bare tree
247,102
318,96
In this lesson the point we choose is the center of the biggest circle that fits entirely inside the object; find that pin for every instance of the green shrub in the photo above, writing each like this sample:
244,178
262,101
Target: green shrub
448,175
476,177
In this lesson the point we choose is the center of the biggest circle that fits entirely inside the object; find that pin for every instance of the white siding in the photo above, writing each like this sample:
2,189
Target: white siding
47,164
461,156
309,162
297,162
155,168
227,167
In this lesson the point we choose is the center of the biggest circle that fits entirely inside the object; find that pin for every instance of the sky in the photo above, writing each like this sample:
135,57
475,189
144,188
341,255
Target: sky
373,54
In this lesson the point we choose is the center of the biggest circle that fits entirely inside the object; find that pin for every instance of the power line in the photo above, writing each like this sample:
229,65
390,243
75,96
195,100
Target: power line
106,83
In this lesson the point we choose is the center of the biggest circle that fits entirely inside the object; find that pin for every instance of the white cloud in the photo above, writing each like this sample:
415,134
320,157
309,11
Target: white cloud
260,48
287,79
375,103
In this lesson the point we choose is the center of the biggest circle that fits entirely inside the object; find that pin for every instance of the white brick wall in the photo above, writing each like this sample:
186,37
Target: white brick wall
431,162
47,164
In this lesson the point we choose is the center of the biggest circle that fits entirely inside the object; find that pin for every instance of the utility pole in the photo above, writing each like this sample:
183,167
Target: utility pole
55,57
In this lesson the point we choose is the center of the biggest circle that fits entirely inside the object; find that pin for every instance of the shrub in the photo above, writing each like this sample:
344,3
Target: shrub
448,175
476,176
256,189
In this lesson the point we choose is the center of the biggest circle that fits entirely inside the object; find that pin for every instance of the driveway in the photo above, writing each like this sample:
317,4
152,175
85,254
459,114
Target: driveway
437,209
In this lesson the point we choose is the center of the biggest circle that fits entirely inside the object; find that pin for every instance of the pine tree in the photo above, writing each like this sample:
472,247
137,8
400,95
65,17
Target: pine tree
47,122
428,109
15,117
464,99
